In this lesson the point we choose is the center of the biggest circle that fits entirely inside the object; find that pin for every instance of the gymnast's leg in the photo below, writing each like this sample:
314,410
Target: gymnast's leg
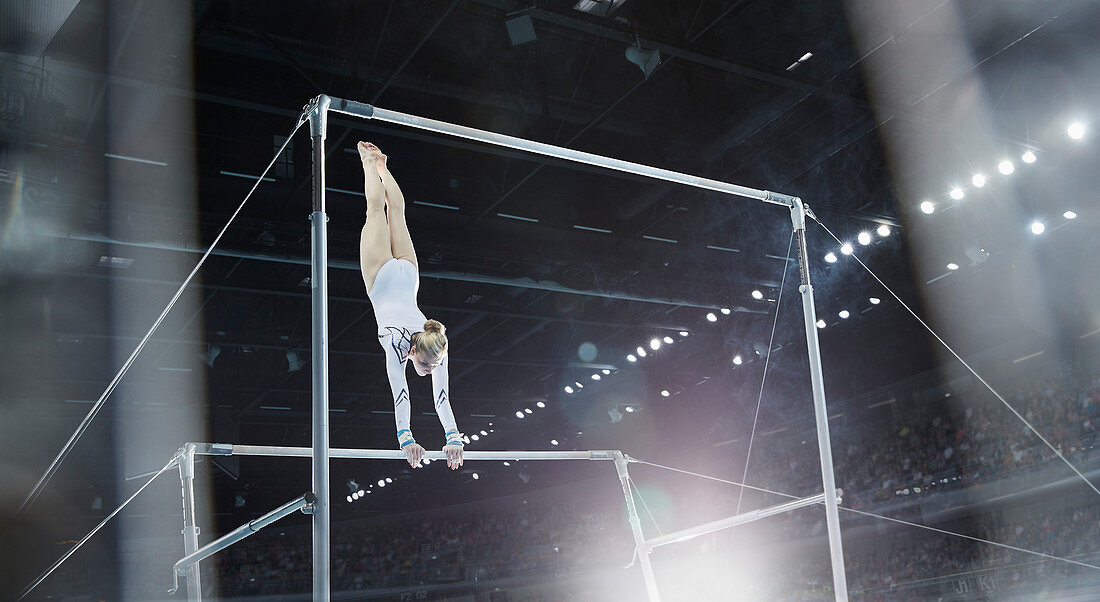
374,242
401,245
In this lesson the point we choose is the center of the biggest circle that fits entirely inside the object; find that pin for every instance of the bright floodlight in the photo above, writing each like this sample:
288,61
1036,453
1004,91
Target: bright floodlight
684,333
844,314
474,437
664,392
595,377
1070,215
349,499
553,442
475,476
711,317
668,340
389,480
1076,130
641,352
541,404
883,230
576,384
483,433
1038,227
846,248
875,300
655,344
1006,167
631,358
821,323
528,411
381,482
519,414
629,409
957,193
1028,157
725,311
830,257
568,389
864,238
756,294
737,361
952,266
978,180
362,493
927,207
605,371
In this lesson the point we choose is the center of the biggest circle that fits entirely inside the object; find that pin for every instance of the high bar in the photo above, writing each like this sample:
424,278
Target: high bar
361,109
231,449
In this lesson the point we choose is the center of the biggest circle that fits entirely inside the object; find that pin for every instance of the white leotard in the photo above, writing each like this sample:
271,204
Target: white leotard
393,296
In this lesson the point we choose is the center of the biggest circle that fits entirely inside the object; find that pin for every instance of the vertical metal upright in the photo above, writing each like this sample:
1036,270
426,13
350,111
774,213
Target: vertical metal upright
636,529
318,126
190,529
821,415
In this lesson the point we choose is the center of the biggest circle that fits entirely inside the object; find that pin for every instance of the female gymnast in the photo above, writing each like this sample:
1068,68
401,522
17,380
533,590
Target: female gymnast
390,272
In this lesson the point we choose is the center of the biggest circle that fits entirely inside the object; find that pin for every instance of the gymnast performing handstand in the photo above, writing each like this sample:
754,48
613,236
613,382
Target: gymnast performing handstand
390,273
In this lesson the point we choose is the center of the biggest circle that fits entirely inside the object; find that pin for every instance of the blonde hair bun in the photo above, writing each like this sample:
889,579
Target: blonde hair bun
433,341
435,326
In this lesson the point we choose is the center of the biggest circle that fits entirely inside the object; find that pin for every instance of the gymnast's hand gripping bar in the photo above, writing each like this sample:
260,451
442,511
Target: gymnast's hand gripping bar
360,109
304,503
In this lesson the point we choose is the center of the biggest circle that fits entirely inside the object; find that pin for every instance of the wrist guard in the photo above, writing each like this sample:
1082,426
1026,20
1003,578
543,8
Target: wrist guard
455,438
404,438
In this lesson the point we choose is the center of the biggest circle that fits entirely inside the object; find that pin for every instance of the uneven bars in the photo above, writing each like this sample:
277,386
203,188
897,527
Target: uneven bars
361,109
230,449
732,521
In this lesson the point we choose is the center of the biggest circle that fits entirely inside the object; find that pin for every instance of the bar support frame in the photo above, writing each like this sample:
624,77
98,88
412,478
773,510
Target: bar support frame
190,529
821,413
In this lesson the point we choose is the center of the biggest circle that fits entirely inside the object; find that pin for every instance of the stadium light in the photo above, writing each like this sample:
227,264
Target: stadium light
830,257
1028,157
1038,227
927,207
883,230
1006,167
864,238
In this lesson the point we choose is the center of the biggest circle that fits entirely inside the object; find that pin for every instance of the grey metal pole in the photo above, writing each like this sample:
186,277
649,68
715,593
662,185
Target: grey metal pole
636,529
821,414
191,560
732,521
190,529
318,126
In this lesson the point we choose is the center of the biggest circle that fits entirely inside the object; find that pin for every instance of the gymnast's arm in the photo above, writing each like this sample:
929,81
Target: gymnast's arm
395,370
442,396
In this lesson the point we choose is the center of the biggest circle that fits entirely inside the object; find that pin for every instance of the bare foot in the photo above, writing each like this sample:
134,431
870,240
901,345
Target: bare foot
370,153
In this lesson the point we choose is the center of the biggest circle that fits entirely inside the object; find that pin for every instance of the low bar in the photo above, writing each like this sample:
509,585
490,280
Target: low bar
732,521
227,449
359,109
302,502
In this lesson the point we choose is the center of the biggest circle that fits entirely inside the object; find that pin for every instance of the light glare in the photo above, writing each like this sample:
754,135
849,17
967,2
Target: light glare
830,257
864,238
978,180
1028,157
883,230
875,300
664,393
655,344
844,314
756,294
1038,227
846,248
952,266
631,358
1070,215
519,414
737,361
927,207
668,340
711,317
568,389
957,193
1076,130
725,311
1006,167
821,323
